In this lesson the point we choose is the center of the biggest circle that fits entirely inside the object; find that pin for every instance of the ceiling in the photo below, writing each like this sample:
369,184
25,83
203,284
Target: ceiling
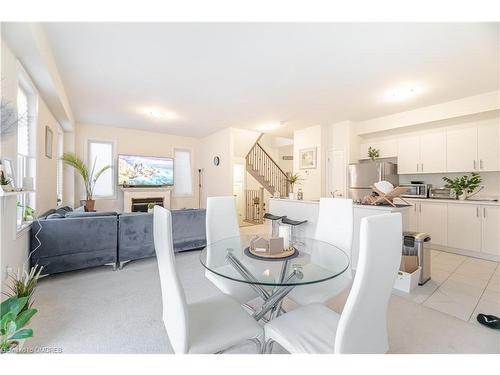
215,75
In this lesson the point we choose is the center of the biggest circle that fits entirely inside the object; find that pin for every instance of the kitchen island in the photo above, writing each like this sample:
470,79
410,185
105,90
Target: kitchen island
309,210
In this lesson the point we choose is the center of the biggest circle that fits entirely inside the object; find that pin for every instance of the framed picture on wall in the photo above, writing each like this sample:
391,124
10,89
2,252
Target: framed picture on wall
48,142
307,158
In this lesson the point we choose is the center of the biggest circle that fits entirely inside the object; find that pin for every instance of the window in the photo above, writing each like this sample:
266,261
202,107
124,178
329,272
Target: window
60,166
26,161
183,181
101,153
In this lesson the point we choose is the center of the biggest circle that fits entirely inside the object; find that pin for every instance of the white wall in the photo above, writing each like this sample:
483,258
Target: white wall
217,180
14,246
136,142
313,179
285,165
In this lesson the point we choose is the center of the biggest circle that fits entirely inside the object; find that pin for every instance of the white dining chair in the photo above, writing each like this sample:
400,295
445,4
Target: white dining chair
335,226
208,326
362,327
222,223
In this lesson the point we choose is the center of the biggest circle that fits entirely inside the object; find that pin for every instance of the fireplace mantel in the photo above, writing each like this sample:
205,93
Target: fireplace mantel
159,192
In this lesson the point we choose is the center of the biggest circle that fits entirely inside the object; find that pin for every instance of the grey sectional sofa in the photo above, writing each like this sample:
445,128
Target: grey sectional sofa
76,240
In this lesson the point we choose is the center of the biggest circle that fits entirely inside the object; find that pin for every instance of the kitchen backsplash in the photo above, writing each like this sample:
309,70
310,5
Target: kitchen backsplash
491,181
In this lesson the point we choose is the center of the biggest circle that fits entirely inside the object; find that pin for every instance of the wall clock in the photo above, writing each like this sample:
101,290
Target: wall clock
216,161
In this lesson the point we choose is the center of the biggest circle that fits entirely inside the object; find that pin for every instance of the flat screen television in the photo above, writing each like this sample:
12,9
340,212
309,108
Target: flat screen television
145,171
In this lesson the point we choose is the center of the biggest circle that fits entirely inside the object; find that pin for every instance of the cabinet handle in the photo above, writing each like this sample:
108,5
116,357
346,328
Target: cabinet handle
422,167
484,212
420,207
480,163
477,211
417,167
474,164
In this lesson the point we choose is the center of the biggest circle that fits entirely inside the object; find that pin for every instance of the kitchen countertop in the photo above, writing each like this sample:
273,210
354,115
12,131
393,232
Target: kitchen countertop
455,201
399,207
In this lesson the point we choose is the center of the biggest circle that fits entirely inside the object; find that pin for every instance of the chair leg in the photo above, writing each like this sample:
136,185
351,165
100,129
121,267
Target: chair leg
267,348
258,343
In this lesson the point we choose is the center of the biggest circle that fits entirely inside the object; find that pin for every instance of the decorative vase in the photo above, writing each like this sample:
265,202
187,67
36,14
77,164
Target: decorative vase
89,205
291,195
462,196
7,188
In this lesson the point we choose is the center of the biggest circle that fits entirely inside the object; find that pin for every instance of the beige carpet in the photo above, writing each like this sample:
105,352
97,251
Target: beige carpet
101,311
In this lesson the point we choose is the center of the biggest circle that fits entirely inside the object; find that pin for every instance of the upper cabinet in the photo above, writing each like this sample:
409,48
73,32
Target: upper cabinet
388,148
409,155
424,153
488,144
473,148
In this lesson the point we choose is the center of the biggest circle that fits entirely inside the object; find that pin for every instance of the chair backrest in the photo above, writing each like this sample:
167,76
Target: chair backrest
363,324
174,303
222,218
335,223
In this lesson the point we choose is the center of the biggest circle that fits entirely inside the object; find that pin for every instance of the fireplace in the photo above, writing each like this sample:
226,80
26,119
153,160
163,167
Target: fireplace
137,199
141,204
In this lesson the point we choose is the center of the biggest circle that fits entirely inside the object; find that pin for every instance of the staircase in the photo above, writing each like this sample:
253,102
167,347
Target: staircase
265,170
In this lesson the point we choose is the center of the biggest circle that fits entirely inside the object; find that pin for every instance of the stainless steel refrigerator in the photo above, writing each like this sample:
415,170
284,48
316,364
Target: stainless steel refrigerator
363,175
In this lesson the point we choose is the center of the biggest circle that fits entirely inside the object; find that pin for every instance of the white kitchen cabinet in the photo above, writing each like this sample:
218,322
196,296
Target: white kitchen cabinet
409,155
461,151
432,218
464,226
433,152
488,144
490,243
388,148
428,217
424,153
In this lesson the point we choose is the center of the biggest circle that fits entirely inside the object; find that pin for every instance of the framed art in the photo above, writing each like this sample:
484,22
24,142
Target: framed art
48,142
8,170
307,158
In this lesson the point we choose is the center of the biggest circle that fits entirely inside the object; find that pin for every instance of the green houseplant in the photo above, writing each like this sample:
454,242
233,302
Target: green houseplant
463,186
5,182
373,153
90,177
292,178
13,318
23,284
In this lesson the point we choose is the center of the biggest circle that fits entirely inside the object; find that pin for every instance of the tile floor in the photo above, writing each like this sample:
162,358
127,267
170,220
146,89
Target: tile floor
460,286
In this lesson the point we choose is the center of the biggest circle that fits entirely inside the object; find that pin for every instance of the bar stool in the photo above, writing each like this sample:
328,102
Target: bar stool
293,225
275,226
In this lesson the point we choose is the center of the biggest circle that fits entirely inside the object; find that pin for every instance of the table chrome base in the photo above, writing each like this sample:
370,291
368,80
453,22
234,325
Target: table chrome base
272,301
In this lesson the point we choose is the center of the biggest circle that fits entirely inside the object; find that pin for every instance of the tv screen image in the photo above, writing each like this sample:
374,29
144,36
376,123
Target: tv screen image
145,170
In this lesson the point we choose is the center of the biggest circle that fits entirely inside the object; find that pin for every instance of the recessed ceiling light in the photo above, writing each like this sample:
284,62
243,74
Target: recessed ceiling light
269,126
159,114
402,93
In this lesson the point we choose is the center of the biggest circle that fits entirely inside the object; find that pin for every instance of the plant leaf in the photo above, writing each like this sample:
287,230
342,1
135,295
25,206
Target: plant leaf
22,334
11,327
13,305
25,317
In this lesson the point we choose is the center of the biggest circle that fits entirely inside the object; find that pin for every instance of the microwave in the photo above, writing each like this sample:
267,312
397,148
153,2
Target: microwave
416,190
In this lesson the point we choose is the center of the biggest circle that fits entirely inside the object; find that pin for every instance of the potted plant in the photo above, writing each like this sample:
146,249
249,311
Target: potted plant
24,284
373,153
463,186
90,177
14,315
5,182
292,180
150,207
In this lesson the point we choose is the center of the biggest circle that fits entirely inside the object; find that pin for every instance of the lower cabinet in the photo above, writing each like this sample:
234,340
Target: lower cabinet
432,220
491,230
428,217
464,226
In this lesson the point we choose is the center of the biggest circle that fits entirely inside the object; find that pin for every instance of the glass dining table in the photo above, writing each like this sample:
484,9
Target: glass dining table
313,262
